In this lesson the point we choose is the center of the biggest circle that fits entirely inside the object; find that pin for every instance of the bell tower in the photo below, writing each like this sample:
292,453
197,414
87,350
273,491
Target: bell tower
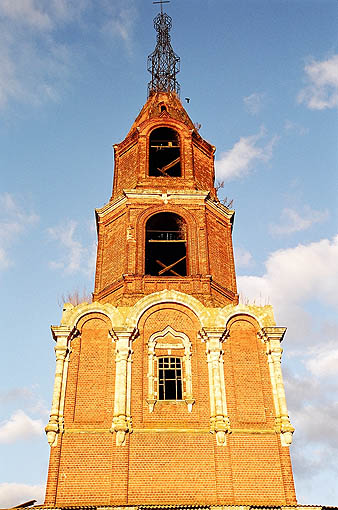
167,390
159,229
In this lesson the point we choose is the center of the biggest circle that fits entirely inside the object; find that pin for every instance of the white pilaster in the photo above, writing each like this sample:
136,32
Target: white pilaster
122,413
62,335
273,337
219,420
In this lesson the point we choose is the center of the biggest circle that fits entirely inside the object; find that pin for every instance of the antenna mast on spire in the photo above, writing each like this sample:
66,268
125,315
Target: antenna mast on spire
163,63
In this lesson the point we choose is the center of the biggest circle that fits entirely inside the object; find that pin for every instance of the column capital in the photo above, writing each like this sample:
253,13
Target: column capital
276,352
61,351
213,333
272,333
122,333
63,332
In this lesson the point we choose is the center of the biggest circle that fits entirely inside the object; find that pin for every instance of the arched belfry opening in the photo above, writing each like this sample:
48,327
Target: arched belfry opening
166,245
164,153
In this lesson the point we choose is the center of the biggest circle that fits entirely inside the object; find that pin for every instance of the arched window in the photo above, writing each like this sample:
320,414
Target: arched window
166,245
164,153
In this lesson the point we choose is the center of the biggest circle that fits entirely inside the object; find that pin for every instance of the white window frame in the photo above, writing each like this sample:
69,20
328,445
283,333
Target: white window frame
156,341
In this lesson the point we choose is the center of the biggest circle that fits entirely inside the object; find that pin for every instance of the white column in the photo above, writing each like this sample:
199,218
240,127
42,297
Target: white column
273,337
219,420
122,418
151,400
188,377
62,335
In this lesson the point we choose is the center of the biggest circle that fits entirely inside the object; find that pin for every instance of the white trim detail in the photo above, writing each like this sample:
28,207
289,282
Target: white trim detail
122,422
272,336
187,372
219,420
165,296
63,336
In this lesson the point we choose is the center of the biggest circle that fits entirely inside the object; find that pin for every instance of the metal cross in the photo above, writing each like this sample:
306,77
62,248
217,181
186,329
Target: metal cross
162,2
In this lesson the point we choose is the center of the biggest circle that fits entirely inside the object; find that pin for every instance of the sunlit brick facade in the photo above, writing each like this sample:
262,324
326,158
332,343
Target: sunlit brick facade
167,390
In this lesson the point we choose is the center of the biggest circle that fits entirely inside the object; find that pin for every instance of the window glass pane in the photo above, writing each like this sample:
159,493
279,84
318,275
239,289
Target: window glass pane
170,374
170,390
161,392
179,391
170,379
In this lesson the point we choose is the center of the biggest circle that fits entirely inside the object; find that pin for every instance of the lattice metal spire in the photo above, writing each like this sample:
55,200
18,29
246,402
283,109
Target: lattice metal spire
163,63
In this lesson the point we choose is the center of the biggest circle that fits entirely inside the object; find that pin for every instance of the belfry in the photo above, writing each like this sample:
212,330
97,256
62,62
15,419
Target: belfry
167,391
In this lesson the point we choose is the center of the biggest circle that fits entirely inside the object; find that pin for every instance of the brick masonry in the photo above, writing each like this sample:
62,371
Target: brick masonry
111,444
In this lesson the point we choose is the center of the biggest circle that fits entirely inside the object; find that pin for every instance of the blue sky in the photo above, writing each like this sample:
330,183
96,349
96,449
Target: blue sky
262,78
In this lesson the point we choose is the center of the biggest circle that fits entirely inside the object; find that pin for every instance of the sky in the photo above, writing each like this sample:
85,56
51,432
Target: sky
262,78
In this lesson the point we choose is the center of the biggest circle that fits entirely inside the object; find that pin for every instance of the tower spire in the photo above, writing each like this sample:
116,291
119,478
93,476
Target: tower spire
163,63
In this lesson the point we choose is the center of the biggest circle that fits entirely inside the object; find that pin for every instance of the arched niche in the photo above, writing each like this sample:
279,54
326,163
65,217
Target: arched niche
91,372
249,377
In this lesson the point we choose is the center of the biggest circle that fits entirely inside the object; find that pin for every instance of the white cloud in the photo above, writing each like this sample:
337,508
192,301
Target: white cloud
26,11
295,127
254,103
294,275
292,221
42,15
73,249
243,257
311,390
33,61
15,220
20,427
28,398
322,89
13,394
36,61
238,161
294,279
313,406
121,21
12,494
75,257
323,361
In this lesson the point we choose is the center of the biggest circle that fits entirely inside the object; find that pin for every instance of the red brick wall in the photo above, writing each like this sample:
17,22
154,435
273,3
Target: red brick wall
85,469
203,169
246,373
171,468
112,250
256,469
209,249
125,168
158,465
92,374
220,250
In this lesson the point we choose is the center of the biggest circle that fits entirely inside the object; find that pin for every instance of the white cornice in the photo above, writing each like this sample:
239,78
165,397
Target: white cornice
102,211
169,194
165,197
229,213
